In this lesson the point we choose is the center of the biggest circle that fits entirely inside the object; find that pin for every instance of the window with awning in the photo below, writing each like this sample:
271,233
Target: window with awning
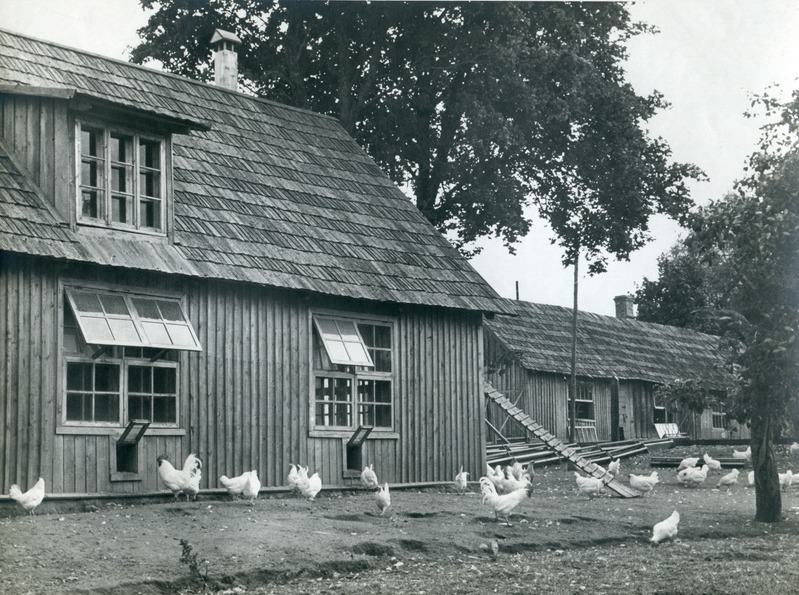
353,363
343,342
132,320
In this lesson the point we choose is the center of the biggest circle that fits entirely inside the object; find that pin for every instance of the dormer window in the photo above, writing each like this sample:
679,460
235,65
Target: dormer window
121,180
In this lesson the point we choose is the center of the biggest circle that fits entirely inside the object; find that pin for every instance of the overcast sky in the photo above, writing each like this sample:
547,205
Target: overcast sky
708,58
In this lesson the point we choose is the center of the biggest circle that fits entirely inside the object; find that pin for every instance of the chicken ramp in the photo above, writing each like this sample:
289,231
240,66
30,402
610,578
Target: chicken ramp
556,445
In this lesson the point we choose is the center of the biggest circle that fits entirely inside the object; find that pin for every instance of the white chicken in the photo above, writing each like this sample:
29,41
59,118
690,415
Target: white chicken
786,479
687,462
28,500
178,480
614,466
369,477
743,454
301,482
312,486
193,486
644,483
518,471
712,463
506,485
383,498
461,481
293,478
590,486
234,485
252,486
728,480
494,475
665,529
505,503
693,476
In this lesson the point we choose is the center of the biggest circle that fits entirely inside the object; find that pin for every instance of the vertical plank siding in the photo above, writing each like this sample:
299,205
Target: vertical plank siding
544,396
244,400
31,127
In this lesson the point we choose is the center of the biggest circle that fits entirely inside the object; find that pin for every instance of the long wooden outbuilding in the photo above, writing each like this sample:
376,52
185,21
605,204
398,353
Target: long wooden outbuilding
186,268
621,362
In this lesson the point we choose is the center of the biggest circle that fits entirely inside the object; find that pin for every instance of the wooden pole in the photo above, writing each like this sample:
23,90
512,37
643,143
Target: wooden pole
573,382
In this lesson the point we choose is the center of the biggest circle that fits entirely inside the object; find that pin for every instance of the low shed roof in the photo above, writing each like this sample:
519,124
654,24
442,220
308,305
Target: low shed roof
264,193
540,337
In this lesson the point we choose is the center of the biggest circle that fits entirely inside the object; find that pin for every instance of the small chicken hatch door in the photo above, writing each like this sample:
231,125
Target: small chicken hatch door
354,450
128,446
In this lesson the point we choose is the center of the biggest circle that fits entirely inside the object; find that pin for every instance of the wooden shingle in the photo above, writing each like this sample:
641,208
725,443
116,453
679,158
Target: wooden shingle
540,337
264,193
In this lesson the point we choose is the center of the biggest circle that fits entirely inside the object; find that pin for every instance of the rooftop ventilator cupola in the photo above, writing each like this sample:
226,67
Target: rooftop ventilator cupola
226,61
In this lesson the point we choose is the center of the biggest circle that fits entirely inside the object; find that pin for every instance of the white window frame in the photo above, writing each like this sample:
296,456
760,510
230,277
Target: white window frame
714,415
582,421
668,416
123,362
104,206
354,373
115,355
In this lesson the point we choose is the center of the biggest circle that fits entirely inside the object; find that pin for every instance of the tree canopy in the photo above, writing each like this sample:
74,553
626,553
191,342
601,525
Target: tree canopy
692,280
743,253
478,109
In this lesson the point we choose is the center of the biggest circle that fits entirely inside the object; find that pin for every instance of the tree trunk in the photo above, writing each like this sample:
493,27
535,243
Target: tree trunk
573,382
768,500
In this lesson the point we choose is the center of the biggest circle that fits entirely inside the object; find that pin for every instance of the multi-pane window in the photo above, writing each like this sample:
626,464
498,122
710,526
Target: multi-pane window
719,420
152,393
662,415
117,369
93,392
353,365
121,179
584,404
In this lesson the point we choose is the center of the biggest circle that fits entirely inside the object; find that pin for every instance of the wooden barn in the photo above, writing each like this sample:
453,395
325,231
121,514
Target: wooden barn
620,362
186,268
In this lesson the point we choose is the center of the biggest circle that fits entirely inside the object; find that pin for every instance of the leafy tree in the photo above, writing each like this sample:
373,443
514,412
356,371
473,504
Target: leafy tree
479,109
754,236
690,282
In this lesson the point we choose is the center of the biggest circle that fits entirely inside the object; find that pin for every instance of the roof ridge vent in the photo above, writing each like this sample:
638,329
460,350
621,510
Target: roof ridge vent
226,61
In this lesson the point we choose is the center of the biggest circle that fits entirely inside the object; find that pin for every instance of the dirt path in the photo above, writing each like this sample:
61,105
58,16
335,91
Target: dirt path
339,543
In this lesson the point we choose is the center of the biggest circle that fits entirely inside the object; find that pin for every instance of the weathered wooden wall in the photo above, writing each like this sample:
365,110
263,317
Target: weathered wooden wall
35,130
700,427
543,396
244,400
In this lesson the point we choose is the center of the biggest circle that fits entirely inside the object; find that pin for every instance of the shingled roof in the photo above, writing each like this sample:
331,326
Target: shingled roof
264,193
540,337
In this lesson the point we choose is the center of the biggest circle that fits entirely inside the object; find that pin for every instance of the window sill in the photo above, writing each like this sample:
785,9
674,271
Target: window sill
124,476
341,433
101,228
117,431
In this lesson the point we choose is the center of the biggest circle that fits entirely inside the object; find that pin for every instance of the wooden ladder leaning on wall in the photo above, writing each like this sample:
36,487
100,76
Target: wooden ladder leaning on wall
557,445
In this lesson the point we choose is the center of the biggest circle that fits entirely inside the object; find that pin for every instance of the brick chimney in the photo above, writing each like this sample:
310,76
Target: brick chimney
624,306
226,61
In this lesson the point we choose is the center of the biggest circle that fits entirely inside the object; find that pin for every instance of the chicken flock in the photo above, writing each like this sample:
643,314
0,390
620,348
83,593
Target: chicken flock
502,489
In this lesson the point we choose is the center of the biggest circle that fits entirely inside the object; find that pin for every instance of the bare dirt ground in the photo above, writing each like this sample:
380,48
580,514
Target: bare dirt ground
428,542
